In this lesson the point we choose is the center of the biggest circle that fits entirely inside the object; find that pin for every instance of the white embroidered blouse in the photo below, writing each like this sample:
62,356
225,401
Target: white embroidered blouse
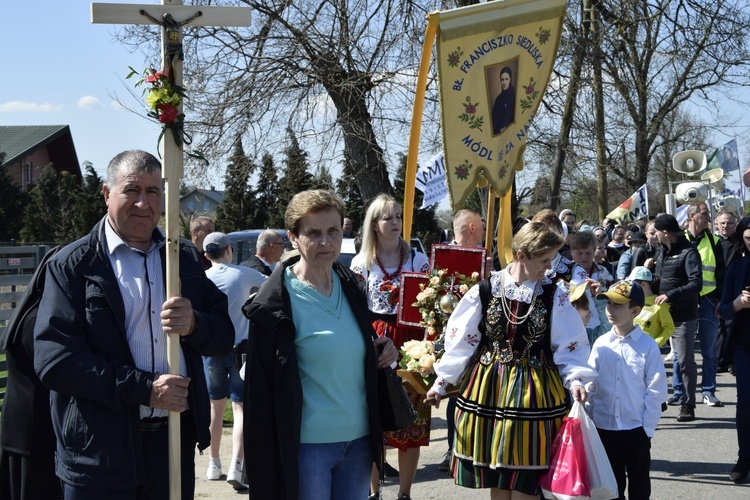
570,346
382,295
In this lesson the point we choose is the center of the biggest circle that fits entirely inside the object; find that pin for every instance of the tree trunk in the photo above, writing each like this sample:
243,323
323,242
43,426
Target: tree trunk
361,148
602,198
566,123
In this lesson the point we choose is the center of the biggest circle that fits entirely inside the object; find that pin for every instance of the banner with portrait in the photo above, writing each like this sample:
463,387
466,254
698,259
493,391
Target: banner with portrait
494,63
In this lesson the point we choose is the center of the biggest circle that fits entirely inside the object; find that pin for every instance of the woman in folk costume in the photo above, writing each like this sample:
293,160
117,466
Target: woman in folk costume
513,345
383,257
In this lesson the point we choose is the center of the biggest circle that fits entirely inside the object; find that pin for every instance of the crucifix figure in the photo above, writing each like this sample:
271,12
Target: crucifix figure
171,16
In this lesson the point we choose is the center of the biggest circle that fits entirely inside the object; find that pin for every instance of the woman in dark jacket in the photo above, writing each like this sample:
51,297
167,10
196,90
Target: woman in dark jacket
735,306
311,427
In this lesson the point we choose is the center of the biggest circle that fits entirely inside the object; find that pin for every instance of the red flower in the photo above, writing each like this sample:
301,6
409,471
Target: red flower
167,113
154,77
544,37
470,109
529,90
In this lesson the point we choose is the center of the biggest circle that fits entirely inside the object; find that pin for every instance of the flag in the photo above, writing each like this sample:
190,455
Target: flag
632,209
431,181
494,62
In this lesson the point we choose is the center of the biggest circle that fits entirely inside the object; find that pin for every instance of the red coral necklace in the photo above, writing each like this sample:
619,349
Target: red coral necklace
392,276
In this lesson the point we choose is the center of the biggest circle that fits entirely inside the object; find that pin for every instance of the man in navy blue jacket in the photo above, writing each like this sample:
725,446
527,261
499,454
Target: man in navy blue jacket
100,346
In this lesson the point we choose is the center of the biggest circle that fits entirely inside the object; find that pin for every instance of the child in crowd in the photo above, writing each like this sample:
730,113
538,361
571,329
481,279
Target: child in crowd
654,319
625,400
582,249
579,298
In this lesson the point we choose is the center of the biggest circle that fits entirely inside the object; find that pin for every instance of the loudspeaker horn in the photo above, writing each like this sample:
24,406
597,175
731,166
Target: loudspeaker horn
716,177
689,162
691,193
729,203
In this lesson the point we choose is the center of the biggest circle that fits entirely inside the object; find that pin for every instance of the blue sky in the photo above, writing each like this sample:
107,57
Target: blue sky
60,69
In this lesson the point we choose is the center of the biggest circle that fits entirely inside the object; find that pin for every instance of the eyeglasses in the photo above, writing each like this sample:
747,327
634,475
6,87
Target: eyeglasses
727,223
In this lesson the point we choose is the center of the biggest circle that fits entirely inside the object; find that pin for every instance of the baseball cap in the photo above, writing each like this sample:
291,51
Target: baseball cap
637,238
623,292
215,241
575,292
666,222
641,273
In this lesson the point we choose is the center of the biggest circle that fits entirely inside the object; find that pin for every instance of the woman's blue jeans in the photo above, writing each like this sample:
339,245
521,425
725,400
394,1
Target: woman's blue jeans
335,471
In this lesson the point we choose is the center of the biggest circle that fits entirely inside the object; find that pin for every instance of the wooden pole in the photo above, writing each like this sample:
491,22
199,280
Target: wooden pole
416,124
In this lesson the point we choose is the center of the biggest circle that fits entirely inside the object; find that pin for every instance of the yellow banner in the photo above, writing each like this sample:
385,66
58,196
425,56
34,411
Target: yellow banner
494,62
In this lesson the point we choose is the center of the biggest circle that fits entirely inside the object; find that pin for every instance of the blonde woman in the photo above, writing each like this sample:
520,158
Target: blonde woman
381,260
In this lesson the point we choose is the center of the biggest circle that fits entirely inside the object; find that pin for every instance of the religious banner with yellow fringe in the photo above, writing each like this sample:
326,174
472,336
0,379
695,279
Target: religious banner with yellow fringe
494,63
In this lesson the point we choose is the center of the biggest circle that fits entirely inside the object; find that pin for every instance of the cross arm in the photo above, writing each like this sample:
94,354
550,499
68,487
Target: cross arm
121,13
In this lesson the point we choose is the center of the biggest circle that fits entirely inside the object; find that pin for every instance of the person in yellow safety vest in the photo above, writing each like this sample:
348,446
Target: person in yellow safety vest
710,249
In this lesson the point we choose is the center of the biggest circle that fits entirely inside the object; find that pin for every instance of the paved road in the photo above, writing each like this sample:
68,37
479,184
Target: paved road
690,461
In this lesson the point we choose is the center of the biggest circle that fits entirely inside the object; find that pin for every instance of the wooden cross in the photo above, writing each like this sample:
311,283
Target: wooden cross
171,15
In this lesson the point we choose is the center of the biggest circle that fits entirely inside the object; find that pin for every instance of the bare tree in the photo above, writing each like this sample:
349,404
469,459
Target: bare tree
659,54
340,73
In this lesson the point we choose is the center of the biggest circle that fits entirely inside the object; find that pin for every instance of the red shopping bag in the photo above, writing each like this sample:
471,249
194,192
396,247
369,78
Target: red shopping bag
567,477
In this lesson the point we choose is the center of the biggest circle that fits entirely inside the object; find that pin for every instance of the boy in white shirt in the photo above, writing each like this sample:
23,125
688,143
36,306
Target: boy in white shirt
626,399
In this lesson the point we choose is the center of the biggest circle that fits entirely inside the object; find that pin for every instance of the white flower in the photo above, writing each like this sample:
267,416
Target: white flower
435,281
429,293
425,365
475,275
463,289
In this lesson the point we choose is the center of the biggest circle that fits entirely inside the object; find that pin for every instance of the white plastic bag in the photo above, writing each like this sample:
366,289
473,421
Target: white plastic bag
602,480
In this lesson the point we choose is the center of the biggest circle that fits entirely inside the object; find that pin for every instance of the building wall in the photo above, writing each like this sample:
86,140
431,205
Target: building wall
25,176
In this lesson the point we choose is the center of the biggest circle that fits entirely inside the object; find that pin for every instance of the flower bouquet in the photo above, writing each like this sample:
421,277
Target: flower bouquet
163,97
417,365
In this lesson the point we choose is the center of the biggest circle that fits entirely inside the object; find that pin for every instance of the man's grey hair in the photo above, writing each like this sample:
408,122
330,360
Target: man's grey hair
133,161
265,239
198,222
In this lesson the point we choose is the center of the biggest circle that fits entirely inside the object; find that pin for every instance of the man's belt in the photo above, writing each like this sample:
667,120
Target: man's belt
153,424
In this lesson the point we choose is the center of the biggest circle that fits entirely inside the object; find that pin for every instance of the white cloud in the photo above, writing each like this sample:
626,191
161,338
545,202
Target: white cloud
29,107
88,102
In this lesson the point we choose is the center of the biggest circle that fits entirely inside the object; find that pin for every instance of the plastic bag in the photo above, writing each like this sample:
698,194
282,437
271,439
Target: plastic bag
567,477
602,481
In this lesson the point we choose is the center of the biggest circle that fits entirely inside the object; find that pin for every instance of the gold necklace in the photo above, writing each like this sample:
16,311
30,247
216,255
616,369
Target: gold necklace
513,318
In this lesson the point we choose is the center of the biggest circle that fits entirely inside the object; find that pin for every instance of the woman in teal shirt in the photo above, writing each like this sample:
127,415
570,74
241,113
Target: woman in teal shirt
311,426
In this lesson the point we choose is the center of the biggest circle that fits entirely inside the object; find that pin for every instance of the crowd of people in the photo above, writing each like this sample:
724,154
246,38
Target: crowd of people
579,314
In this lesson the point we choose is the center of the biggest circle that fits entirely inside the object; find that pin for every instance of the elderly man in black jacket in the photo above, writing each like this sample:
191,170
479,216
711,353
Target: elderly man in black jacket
100,346
678,266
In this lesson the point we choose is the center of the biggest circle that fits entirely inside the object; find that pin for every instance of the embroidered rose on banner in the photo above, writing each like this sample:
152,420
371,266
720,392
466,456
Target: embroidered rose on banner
463,170
531,95
454,58
543,35
470,115
503,170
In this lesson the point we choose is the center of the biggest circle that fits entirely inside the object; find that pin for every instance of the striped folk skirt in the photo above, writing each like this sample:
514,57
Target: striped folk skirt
507,416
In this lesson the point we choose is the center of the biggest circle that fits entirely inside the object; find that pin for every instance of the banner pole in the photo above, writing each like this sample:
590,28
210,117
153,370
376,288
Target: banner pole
416,123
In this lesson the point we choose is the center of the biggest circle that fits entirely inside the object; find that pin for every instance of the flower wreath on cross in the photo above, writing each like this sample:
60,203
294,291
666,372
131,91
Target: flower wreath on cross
163,96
